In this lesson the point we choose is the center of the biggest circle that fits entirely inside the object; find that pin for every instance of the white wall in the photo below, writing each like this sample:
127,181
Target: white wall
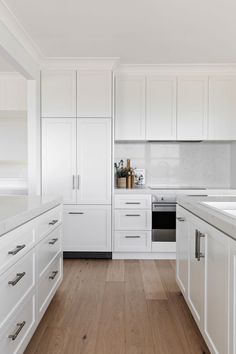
182,164
233,165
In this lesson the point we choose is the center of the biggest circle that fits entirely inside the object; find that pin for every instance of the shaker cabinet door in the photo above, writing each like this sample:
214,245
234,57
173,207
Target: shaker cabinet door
59,158
58,93
93,161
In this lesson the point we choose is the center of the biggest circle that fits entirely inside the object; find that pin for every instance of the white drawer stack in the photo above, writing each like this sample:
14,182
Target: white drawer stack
30,273
133,223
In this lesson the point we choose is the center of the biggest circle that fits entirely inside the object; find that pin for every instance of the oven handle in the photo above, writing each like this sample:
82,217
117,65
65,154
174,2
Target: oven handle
163,208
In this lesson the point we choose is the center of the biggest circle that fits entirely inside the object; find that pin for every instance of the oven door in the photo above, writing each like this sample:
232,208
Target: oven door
164,222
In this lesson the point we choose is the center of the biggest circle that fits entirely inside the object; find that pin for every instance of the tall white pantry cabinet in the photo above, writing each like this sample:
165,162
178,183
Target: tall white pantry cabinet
76,155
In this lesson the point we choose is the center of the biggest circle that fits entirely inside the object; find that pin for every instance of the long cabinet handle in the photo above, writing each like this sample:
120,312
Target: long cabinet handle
16,250
19,276
73,182
132,236
76,213
132,203
78,181
198,253
18,330
132,215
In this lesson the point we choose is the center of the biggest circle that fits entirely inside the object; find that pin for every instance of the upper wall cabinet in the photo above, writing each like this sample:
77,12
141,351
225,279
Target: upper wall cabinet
222,108
161,108
13,92
192,105
94,93
58,93
130,107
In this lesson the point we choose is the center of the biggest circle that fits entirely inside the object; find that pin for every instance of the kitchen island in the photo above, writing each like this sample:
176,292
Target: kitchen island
206,266
31,267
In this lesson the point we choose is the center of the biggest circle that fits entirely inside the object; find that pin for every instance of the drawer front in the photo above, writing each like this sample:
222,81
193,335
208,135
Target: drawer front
133,201
48,221
49,284
15,244
48,249
132,241
15,284
133,220
19,329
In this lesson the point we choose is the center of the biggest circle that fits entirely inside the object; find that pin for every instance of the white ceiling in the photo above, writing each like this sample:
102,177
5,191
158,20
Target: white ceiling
137,31
6,66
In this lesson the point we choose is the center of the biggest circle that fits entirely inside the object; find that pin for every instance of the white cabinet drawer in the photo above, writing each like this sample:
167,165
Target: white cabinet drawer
19,328
48,249
15,284
49,284
133,220
133,201
48,221
15,244
132,241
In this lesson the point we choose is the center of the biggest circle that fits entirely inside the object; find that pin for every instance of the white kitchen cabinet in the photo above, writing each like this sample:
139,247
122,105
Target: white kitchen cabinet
58,93
192,107
59,158
232,305
87,228
93,161
94,93
130,107
216,289
182,249
161,108
196,272
13,92
222,108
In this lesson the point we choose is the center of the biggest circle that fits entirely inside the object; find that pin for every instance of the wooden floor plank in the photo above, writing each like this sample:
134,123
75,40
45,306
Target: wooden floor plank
111,335
153,287
105,308
116,270
137,326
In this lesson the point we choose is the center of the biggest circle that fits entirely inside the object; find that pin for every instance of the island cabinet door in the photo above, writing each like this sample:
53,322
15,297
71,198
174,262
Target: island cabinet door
232,331
196,272
59,158
216,290
93,161
182,244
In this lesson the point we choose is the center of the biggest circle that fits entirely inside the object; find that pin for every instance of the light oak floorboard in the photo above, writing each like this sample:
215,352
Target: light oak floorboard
116,270
105,308
153,286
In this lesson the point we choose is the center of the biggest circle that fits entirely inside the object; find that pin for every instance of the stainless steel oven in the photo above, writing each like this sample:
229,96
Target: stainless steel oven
164,221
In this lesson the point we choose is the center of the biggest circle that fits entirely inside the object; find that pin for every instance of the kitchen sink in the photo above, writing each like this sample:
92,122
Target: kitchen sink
227,208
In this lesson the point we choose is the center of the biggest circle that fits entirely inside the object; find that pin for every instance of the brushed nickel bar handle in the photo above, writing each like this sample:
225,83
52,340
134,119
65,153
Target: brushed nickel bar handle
200,254
54,274
16,250
53,241
132,215
19,276
18,330
133,203
76,213
196,243
73,182
180,219
132,236
78,181
53,222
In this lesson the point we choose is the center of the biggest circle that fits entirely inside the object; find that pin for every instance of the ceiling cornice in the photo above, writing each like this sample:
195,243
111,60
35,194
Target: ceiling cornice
80,63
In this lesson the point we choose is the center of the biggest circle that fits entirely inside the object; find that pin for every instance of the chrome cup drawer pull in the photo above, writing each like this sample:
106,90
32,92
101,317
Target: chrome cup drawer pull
133,236
19,276
16,250
18,330
53,222
52,241
54,274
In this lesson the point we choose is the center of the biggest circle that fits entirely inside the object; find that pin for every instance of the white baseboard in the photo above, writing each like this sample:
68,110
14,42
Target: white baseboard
148,255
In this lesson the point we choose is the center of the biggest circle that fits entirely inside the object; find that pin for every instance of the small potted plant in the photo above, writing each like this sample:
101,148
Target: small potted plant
121,174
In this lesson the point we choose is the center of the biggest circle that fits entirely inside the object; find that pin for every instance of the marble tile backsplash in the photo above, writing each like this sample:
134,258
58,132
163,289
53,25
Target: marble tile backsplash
204,164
